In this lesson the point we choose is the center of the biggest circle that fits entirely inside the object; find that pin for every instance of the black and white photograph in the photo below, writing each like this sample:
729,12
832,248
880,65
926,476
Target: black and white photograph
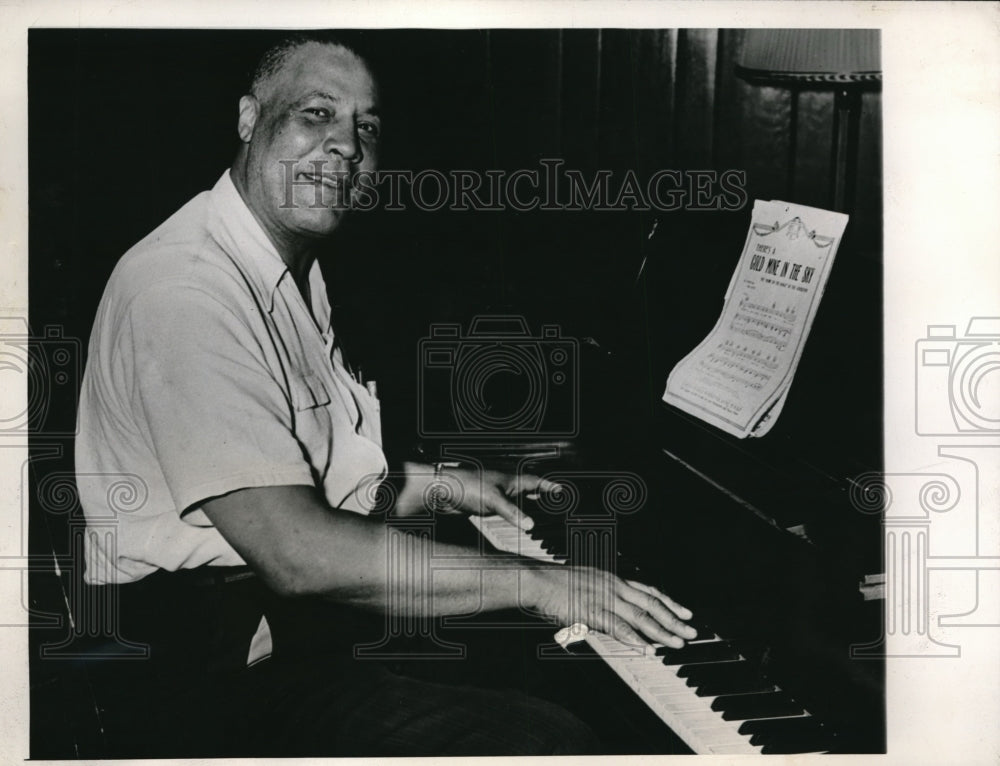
450,390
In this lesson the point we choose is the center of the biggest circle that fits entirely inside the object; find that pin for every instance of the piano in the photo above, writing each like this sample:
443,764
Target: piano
761,539
771,669
720,696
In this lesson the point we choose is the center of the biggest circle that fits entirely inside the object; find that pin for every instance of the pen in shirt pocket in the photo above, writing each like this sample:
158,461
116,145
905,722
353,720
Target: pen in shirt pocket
371,386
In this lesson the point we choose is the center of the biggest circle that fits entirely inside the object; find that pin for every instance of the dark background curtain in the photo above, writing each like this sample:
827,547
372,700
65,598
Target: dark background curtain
127,125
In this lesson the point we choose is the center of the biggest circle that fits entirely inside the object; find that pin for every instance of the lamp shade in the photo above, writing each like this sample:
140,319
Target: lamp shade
811,55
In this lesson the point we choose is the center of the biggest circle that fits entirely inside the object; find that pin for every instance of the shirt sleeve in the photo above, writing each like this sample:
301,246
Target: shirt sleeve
215,415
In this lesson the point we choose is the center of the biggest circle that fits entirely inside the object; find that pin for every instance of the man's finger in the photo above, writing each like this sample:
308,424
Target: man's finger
502,507
544,485
619,629
654,613
681,611
651,624
532,485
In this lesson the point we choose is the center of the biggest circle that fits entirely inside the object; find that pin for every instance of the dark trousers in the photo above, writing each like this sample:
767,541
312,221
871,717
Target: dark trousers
195,697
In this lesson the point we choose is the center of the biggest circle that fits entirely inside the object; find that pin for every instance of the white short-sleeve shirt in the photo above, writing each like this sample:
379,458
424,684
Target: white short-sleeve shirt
208,373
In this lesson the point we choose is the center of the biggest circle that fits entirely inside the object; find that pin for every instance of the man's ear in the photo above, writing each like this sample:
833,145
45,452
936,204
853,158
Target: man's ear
249,112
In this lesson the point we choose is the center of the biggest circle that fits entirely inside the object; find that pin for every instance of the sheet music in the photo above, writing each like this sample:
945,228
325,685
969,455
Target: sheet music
737,378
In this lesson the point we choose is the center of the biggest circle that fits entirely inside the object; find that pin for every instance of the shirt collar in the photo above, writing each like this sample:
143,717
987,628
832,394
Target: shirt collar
246,242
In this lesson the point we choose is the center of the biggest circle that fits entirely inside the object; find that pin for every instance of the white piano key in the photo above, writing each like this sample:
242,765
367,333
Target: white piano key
684,705
644,667
676,692
663,689
715,733
696,719
678,695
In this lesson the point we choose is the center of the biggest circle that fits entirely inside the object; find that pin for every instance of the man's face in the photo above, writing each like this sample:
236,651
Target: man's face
314,129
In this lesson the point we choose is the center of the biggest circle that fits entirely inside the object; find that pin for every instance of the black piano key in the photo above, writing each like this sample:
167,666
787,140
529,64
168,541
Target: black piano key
555,549
815,743
704,632
753,685
802,732
710,680
713,651
547,531
556,543
712,670
739,707
795,725
545,520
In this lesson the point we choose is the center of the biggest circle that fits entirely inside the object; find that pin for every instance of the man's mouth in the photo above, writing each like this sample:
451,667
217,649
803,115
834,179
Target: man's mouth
336,182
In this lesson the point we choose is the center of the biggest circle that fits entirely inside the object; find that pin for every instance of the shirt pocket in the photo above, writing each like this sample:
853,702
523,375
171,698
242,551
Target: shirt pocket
308,391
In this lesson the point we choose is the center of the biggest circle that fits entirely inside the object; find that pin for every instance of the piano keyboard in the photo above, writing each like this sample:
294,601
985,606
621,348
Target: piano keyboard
709,694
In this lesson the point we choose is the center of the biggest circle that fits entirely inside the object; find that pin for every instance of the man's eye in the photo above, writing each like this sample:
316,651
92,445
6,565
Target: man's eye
318,112
369,128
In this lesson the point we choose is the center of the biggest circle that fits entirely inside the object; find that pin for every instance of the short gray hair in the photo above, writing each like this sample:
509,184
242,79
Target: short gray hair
276,56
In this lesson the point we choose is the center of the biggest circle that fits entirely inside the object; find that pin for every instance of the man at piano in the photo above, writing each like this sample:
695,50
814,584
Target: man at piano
215,382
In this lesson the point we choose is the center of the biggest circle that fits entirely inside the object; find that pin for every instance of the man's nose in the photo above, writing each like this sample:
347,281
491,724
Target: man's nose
343,141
